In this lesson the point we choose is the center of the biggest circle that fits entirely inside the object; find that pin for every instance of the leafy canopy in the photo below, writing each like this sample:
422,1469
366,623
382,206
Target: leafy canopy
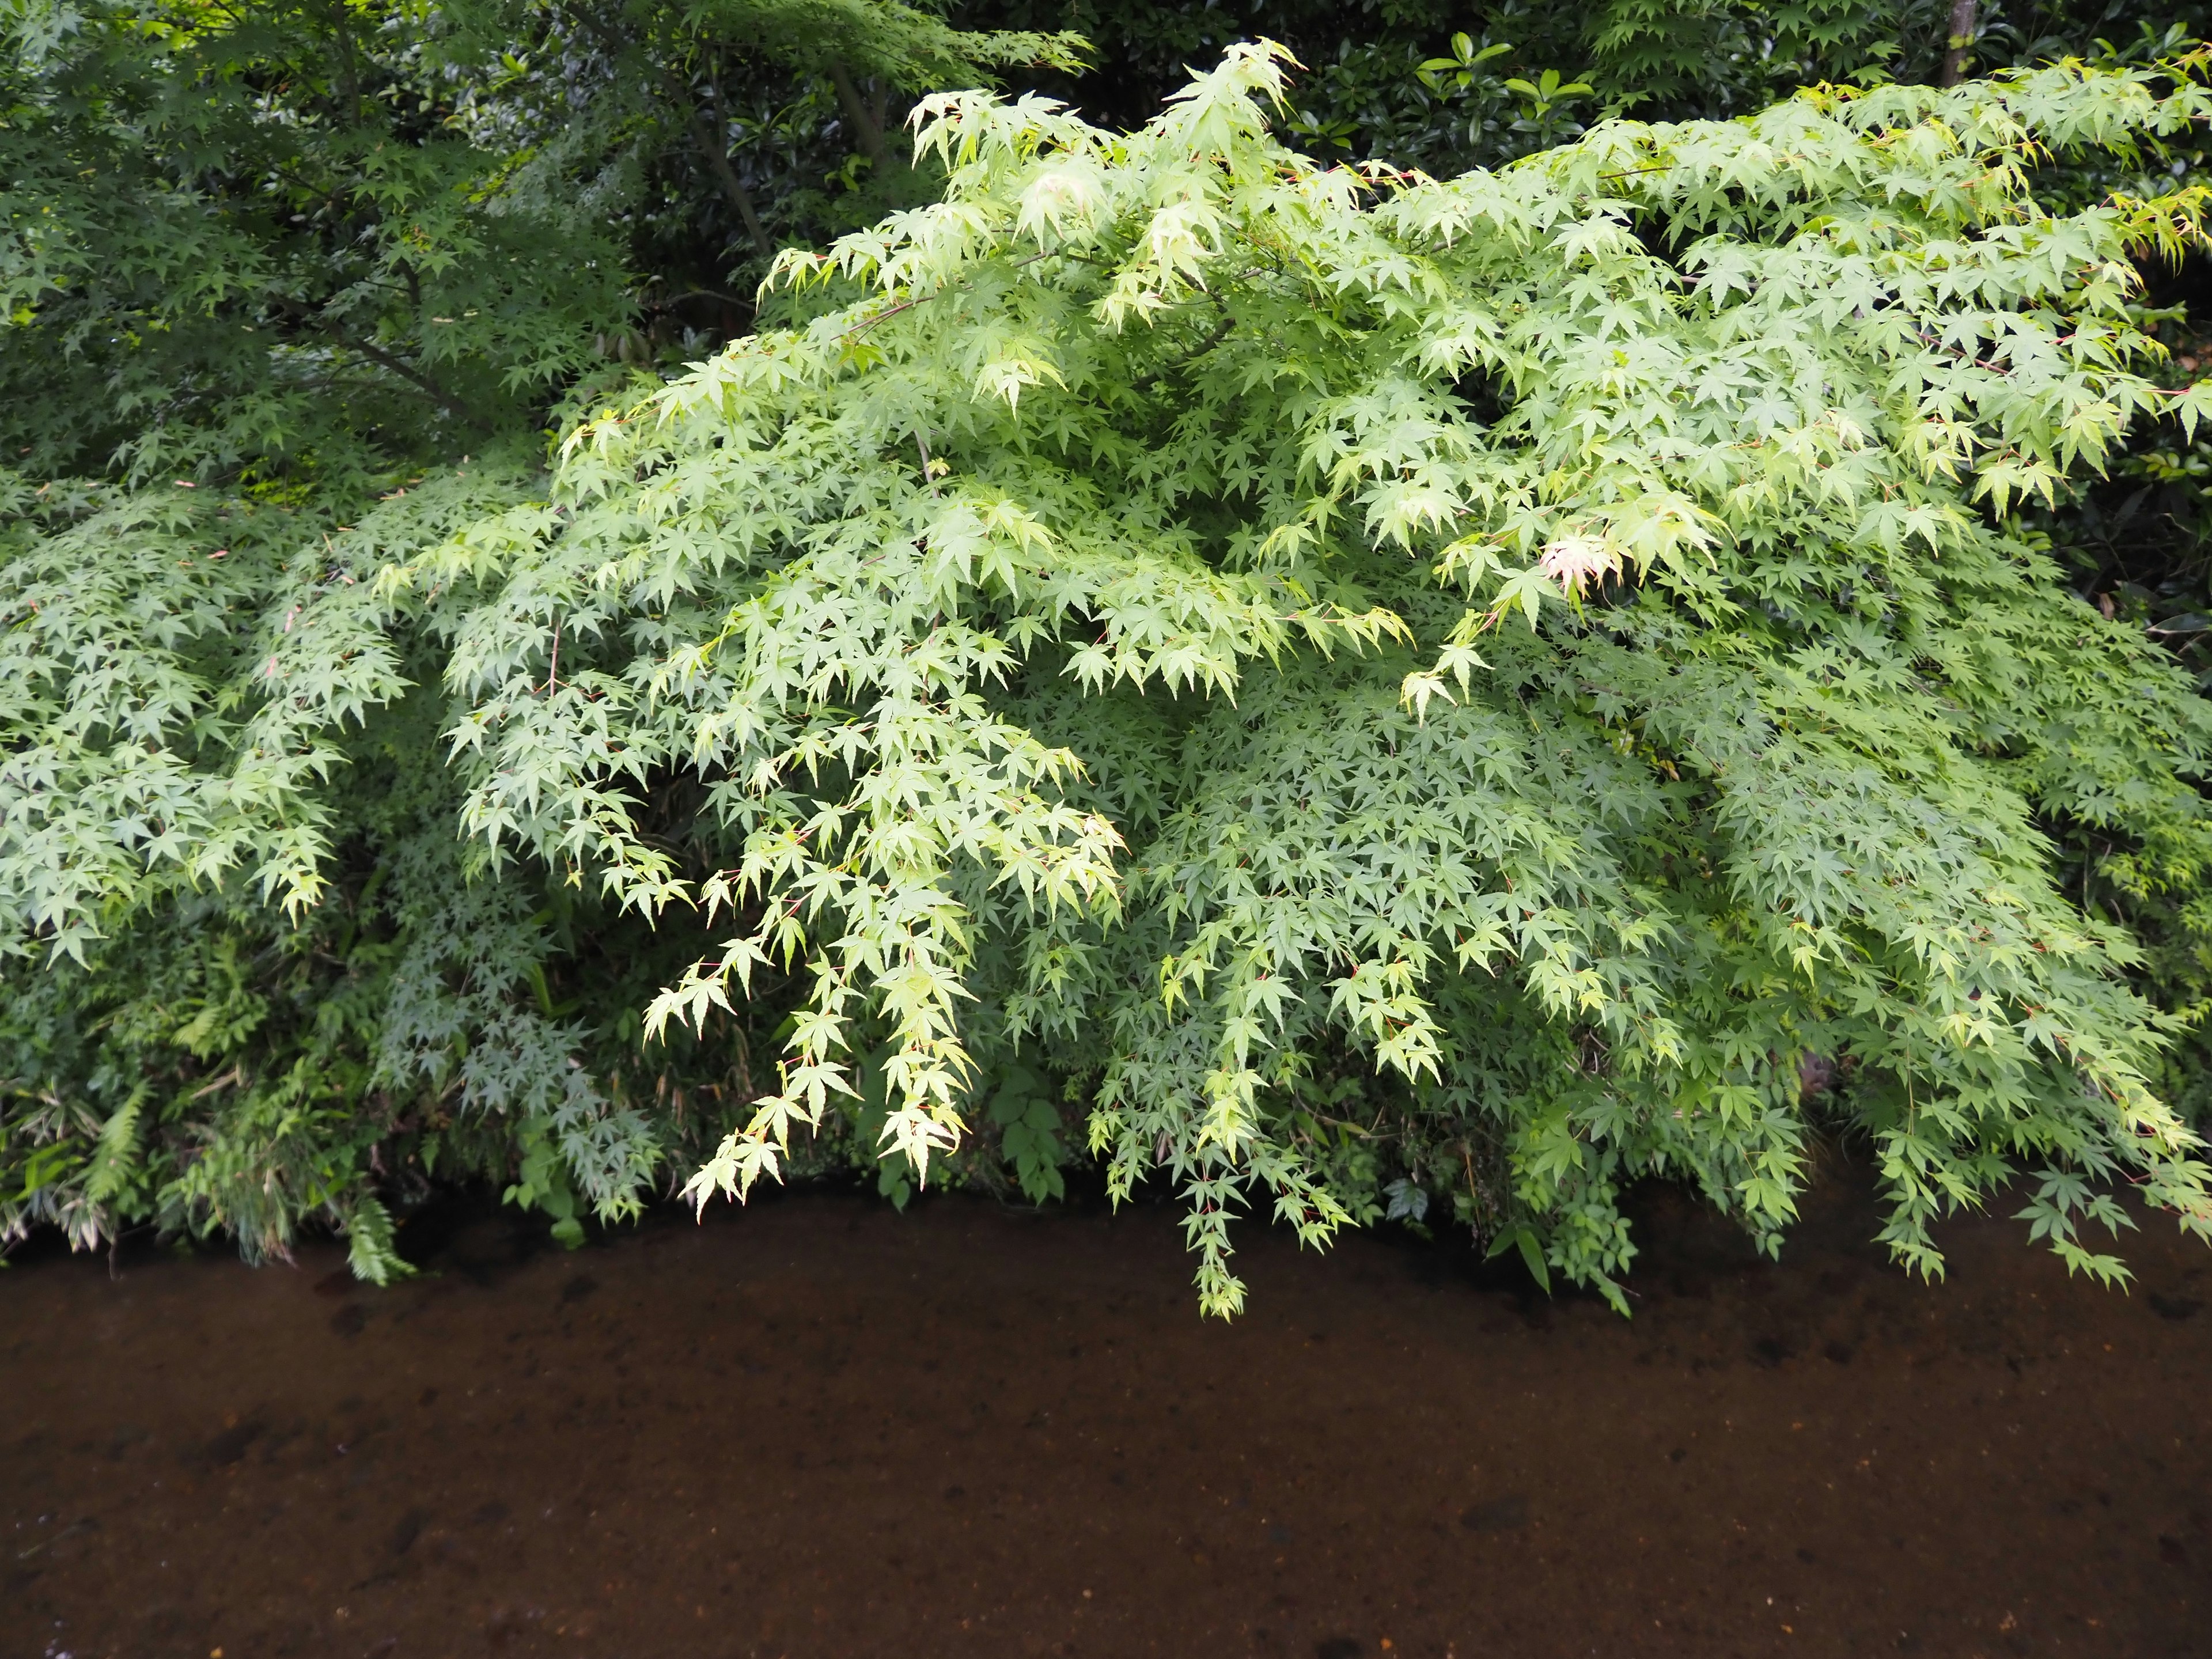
1381,690
1546,637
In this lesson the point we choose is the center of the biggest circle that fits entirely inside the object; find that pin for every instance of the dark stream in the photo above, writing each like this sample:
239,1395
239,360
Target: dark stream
820,1428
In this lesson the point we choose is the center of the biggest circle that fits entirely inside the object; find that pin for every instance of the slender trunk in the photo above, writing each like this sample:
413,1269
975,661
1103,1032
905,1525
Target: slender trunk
348,69
1960,45
866,127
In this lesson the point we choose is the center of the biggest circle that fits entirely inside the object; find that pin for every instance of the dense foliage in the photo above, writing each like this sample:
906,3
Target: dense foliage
1330,687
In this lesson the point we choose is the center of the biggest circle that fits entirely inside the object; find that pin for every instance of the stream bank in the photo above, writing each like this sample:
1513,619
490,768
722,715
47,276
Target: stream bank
818,1427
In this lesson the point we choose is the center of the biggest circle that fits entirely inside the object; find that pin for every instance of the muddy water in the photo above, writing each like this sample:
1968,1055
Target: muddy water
818,1428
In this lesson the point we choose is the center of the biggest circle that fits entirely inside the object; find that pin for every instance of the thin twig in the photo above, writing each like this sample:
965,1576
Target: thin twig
909,305
229,1077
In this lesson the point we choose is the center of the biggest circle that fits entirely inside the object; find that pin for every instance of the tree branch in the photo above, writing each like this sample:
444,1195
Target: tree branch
422,382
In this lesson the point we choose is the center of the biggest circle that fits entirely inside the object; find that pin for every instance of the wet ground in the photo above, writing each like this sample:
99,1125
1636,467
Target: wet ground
820,1428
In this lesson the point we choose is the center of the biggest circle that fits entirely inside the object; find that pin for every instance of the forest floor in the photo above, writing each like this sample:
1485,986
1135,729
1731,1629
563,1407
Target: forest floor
817,1427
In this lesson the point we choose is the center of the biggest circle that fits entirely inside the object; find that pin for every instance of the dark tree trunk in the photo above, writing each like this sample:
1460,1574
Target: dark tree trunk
865,128
715,140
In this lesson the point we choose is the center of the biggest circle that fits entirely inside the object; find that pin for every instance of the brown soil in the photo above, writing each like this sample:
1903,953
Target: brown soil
819,1428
